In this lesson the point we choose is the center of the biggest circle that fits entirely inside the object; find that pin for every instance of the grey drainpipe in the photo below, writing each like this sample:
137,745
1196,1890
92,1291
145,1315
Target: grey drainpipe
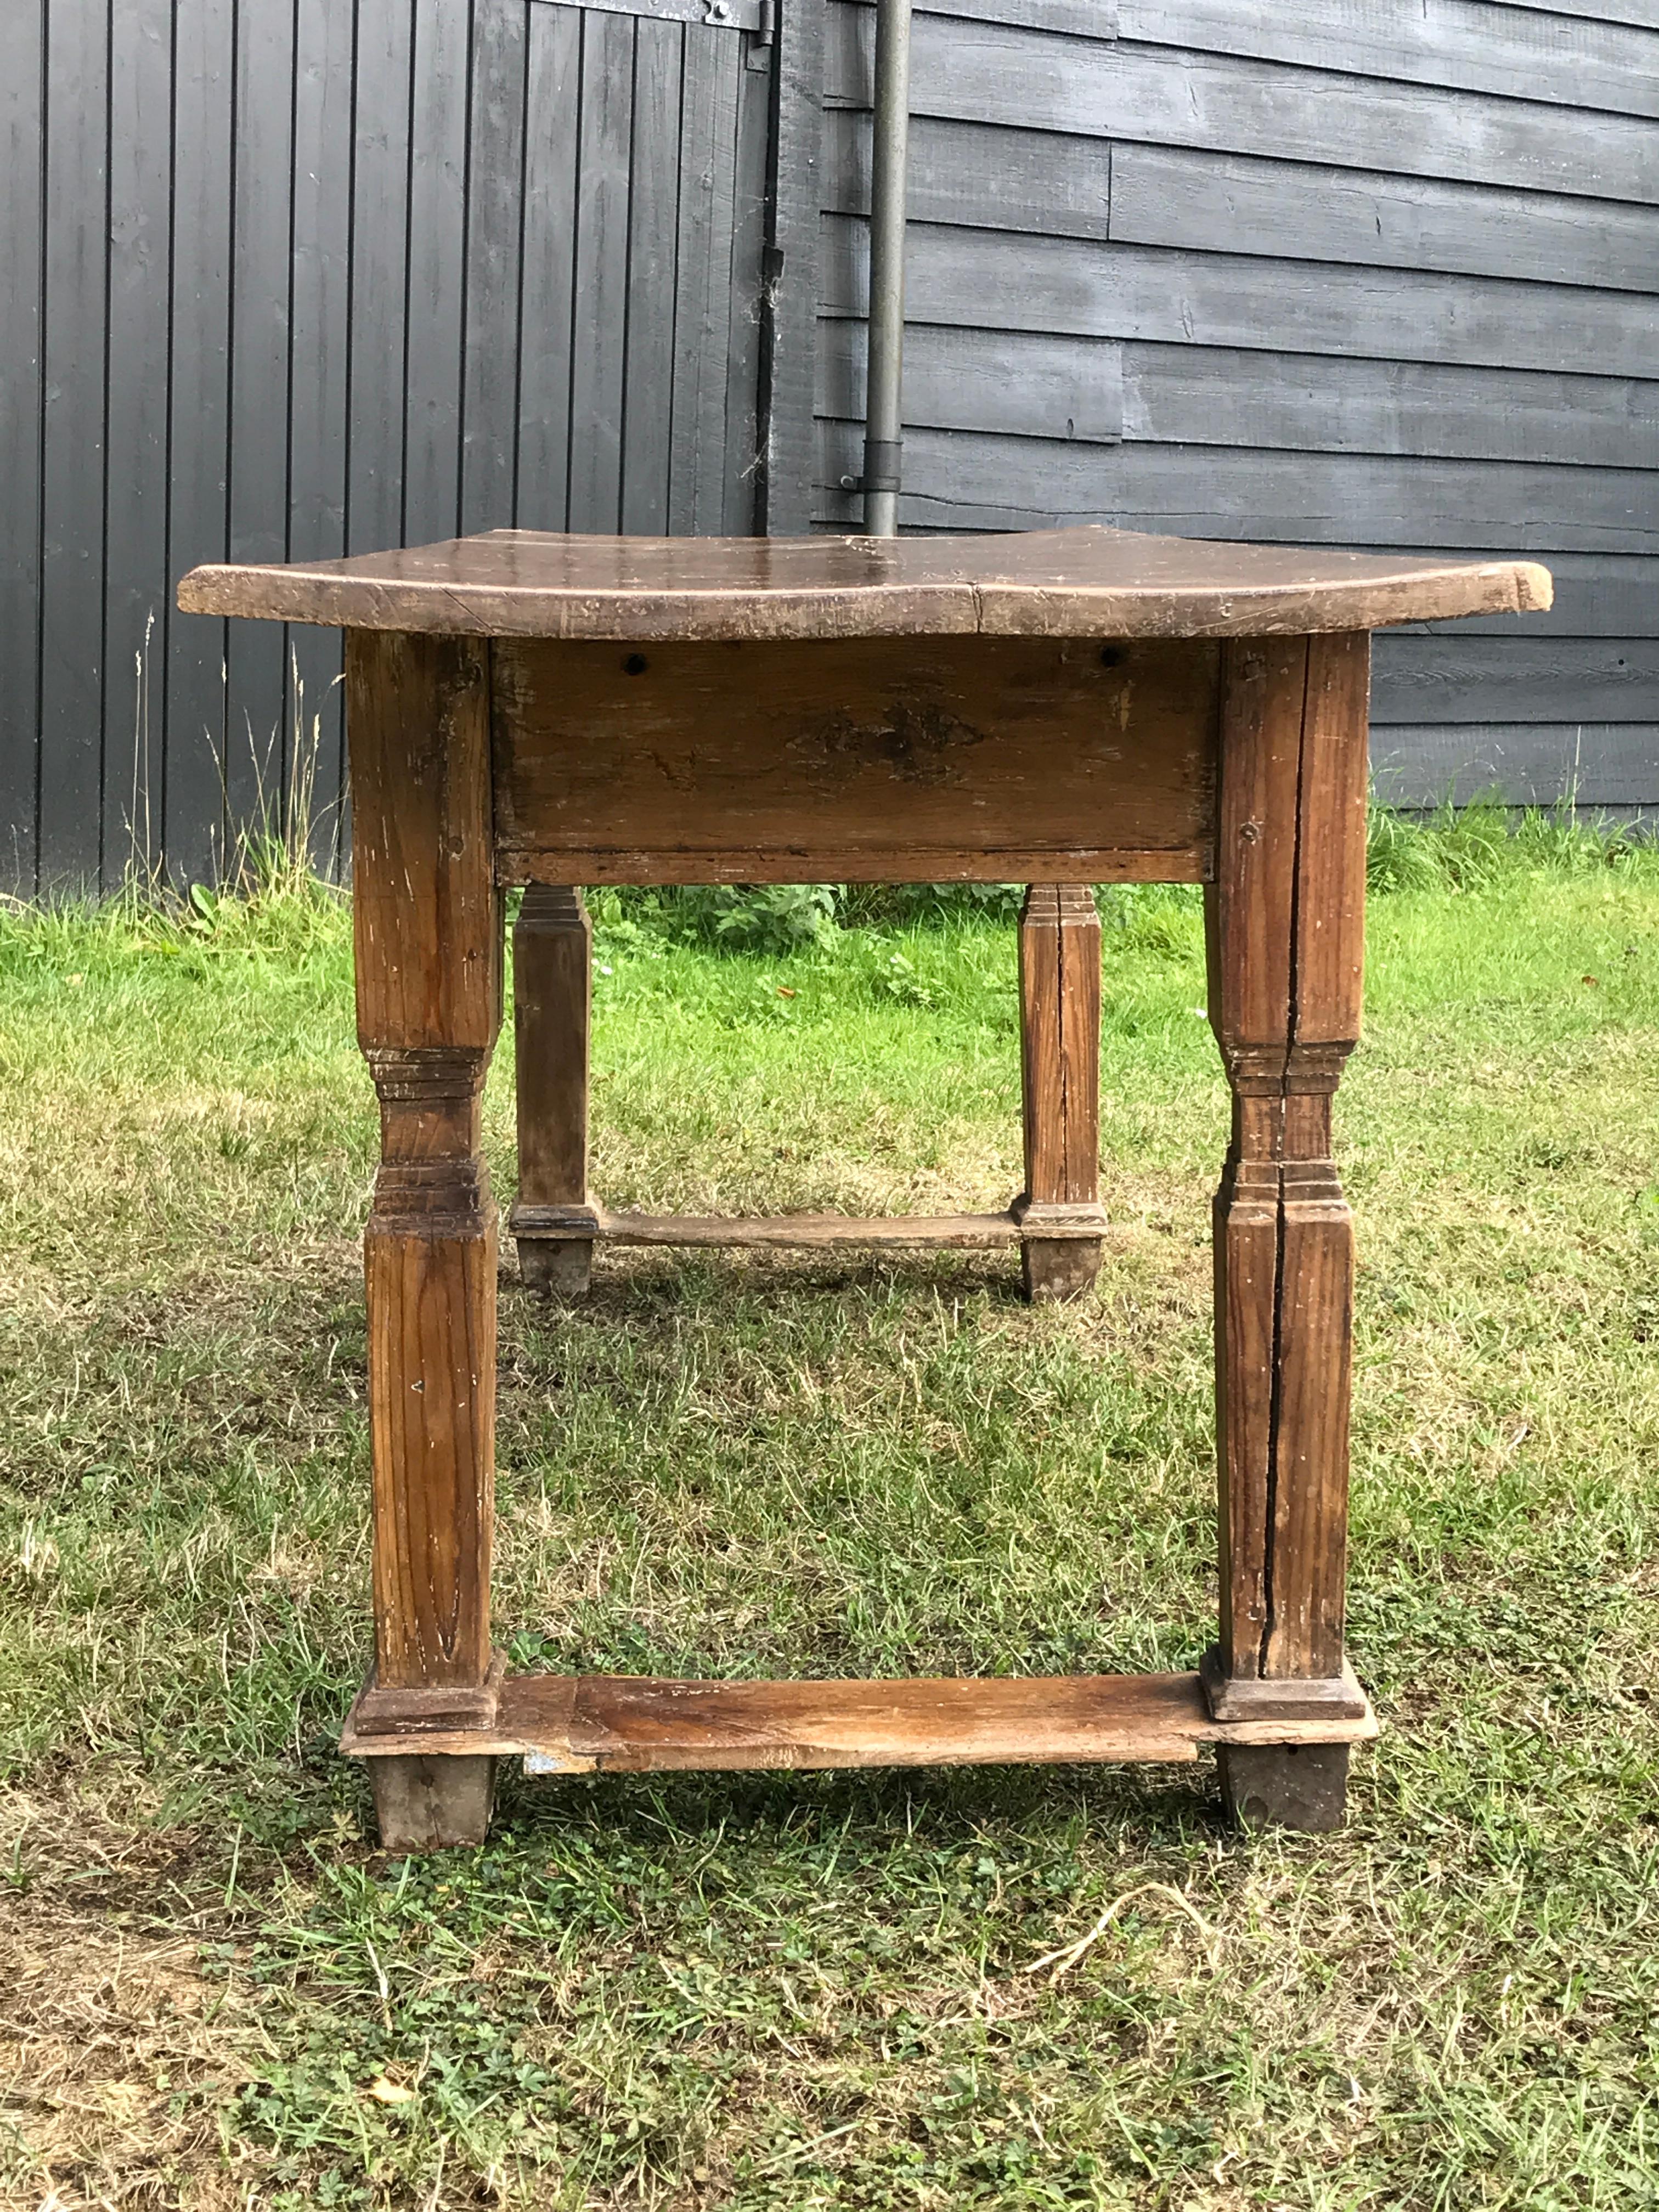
884,406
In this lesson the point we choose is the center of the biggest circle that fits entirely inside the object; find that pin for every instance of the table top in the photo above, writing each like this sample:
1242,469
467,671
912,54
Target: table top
1044,583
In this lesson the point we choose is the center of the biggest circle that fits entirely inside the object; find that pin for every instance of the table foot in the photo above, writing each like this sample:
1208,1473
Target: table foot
432,1804
561,1267
1284,1785
1057,1269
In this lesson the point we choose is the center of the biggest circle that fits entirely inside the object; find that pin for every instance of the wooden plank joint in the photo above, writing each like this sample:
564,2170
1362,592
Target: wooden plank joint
555,1222
444,1706
1260,1697
1049,1220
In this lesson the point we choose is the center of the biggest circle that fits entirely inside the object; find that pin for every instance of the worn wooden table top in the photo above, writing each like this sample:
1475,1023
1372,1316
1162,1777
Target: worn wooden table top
1046,583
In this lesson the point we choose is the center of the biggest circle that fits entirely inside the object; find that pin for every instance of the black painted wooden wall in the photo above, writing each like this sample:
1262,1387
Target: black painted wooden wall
1354,272
286,277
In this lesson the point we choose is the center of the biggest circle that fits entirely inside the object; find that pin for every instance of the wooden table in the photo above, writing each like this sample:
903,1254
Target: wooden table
1056,1221
1070,706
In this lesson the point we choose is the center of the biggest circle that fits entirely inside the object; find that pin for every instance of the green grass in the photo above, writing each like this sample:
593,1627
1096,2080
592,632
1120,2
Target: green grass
765,1991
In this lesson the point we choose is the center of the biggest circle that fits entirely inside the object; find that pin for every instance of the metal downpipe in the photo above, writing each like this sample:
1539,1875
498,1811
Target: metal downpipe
884,405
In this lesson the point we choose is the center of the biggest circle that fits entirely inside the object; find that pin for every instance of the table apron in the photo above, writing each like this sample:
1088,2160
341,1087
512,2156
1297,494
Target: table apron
975,759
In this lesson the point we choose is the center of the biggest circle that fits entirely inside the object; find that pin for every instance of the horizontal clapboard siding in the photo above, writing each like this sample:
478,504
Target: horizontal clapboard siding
958,480
1374,273
1468,45
1082,19
1236,203
1181,96
1643,13
1070,285
999,381
1062,184
1597,765
280,279
1441,679
1203,395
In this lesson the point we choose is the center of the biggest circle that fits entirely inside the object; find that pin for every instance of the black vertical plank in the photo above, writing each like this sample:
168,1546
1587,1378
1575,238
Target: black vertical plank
203,96
136,513
547,291
599,354
437,255
789,347
72,449
322,241
703,321
380,266
261,200
500,32
741,504
648,385
22,154
318,378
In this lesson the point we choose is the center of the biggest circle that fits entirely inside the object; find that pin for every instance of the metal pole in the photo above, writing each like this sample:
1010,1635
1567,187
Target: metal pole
883,416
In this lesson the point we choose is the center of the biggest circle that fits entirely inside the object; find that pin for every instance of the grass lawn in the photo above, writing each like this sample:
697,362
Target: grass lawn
788,1992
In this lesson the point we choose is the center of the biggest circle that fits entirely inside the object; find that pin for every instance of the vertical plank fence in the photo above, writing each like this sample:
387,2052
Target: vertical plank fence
1381,275
282,279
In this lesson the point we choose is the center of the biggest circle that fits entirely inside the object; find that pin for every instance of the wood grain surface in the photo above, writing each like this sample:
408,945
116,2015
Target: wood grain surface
860,759
552,1005
428,923
426,915
552,1010
580,1723
779,1231
1087,582
1286,935
1060,1070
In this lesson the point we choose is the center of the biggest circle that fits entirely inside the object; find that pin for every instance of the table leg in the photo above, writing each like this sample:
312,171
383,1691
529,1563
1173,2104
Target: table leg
1059,1063
1286,935
552,1003
428,926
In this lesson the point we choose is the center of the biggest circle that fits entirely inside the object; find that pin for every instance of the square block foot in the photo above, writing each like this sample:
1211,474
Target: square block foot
560,1266
432,1802
1057,1268
1284,1785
